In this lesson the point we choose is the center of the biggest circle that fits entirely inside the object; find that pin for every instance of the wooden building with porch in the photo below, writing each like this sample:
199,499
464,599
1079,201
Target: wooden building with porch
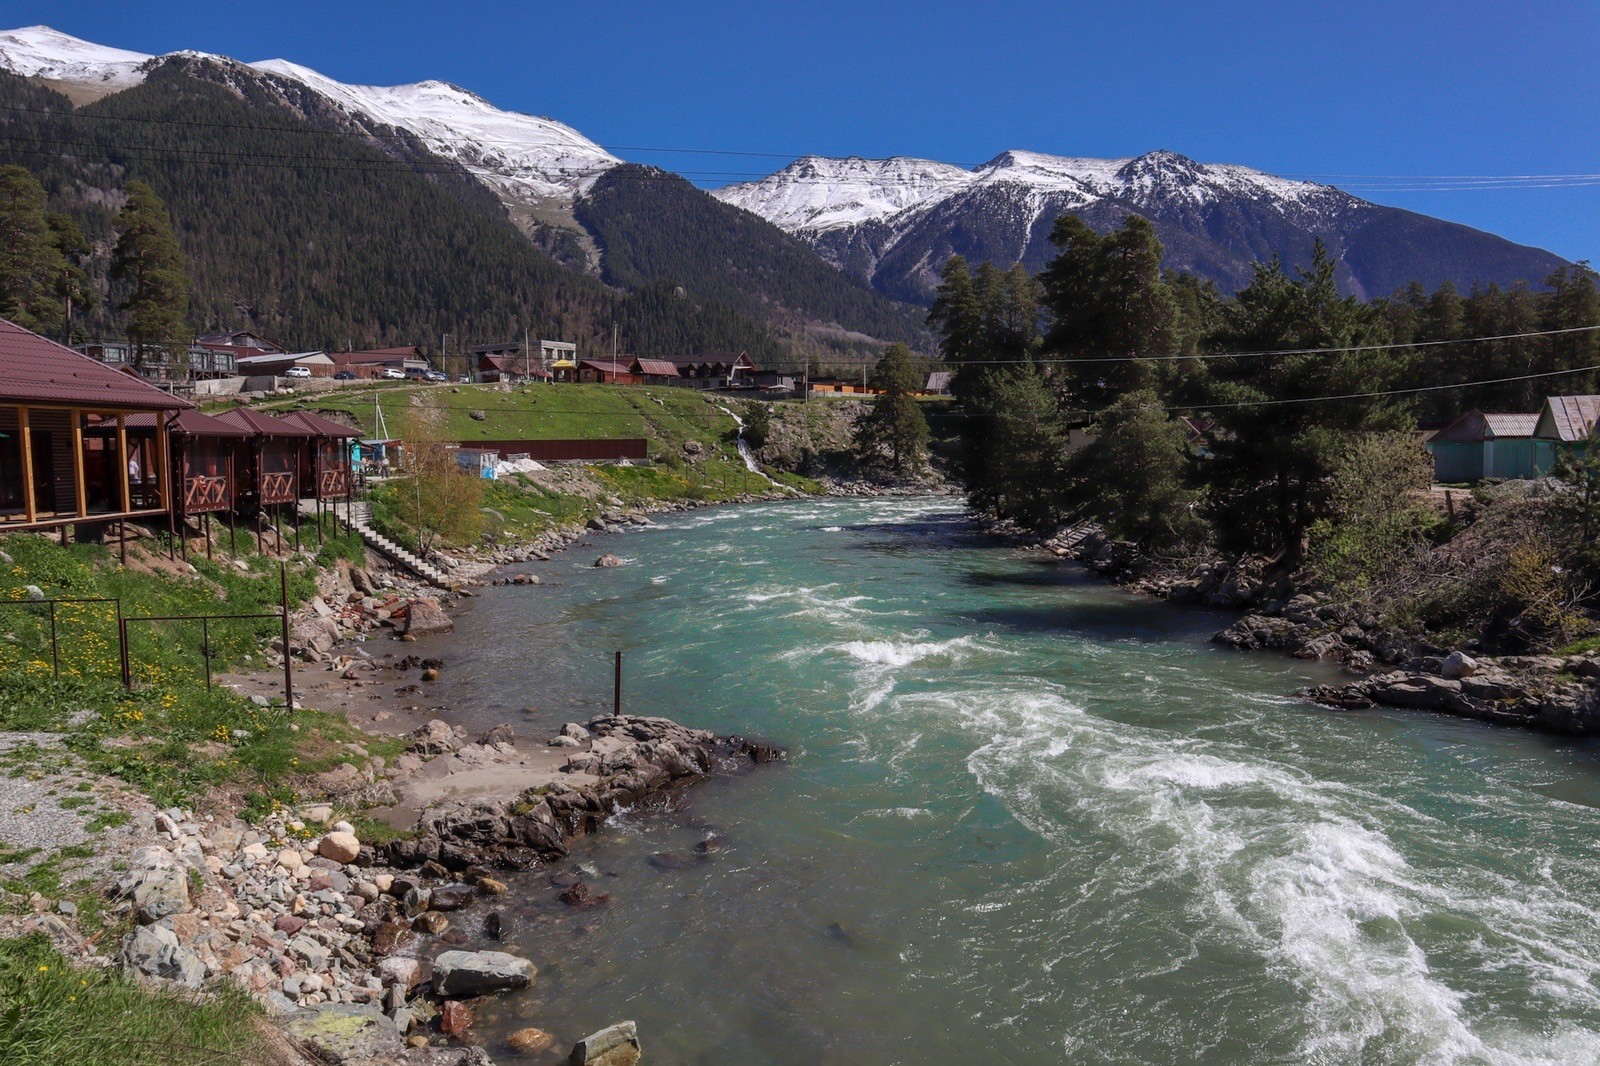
68,455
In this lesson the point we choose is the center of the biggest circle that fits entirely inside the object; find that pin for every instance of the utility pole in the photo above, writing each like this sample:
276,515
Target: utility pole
525,353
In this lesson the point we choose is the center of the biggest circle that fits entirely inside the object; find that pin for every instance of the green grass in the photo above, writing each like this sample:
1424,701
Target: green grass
1581,647
52,1012
168,736
537,411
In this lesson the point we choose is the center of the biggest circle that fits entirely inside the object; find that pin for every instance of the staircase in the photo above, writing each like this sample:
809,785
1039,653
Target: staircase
1077,535
361,518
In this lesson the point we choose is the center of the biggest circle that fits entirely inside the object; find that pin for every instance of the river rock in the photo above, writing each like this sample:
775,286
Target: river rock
157,884
154,951
1458,665
530,1041
348,1033
606,561
455,1018
424,617
451,897
471,973
430,922
340,847
435,738
615,1045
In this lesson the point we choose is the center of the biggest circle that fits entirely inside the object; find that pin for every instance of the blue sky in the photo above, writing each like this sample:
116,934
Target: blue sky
1355,88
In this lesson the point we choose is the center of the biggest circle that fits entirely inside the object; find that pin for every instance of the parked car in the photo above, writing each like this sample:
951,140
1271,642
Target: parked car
297,372
436,375
345,375
393,374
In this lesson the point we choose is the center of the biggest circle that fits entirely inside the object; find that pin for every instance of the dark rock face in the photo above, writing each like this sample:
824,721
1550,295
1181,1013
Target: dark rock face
631,760
1541,692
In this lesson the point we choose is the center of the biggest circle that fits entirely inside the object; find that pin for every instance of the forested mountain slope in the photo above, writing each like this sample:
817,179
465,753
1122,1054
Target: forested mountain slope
321,230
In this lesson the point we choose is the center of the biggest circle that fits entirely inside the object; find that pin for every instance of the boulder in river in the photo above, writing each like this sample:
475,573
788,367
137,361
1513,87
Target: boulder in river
424,617
615,1045
606,561
472,973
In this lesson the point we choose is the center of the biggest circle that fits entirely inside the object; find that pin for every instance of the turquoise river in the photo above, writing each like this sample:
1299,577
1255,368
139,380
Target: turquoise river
1027,818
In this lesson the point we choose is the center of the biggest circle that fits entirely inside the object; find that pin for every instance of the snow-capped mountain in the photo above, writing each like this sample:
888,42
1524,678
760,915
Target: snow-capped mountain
522,157
894,222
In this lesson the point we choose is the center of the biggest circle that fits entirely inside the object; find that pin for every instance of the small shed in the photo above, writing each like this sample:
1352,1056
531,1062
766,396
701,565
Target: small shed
1480,444
656,371
1565,424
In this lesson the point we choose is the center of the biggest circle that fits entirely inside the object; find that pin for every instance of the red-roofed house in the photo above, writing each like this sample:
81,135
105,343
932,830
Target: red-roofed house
374,361
67,452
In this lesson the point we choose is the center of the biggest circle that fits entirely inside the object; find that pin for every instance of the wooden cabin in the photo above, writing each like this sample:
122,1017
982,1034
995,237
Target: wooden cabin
67,455
269,473
325,472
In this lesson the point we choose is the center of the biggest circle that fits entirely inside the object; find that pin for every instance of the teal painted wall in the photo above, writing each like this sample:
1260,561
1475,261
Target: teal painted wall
1457,460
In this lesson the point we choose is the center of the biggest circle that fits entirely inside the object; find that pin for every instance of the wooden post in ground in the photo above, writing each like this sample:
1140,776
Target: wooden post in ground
616,687
77,462
30,505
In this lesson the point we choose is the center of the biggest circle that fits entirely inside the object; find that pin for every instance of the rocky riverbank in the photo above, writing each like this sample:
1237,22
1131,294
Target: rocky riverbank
1548,693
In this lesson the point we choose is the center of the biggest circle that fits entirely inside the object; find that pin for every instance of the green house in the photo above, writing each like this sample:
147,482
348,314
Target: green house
1480,445
1566,424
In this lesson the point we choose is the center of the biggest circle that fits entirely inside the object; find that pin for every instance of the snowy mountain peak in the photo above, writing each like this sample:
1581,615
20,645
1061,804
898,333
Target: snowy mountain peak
522,157
41,52
816,193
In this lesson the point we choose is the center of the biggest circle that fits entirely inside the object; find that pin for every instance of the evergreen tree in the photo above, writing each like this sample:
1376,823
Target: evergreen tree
1020,471
893,430
1108,301
31,262
72,282
149,265
956,315
1136,479
1273,455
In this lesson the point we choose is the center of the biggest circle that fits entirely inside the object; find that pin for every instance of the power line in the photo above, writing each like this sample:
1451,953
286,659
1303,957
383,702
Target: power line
1412,391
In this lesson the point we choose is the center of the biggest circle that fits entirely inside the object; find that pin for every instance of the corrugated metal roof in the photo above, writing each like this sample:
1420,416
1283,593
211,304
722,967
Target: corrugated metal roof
188,423
938,381
610,367
262,425
34,369
322,427
1572,417
659,367
1514,424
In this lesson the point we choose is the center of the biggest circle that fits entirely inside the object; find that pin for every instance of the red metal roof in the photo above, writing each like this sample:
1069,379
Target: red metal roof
657,367
188,424
376,355
607,365
36,370
319,426
263,425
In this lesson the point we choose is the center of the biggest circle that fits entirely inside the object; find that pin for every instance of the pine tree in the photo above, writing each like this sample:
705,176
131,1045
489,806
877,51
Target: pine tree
1270,476
957,316
1108,301
72,282
1136,479
31,263
149,265
893,430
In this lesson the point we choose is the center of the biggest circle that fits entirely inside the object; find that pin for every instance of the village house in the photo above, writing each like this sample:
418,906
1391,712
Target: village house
1481,444
714,371
277,364
372,362
67,452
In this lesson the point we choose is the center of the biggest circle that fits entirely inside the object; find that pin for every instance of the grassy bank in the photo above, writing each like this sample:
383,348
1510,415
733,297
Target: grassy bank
52,1012
168,736
692,437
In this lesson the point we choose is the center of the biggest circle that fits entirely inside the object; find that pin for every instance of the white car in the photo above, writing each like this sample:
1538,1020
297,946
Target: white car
297,372
394,375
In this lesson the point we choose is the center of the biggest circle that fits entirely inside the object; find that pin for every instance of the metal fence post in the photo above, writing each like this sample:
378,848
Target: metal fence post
205,648
55,646
288,667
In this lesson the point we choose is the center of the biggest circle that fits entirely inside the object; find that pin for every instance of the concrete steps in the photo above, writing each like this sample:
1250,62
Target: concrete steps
361,518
